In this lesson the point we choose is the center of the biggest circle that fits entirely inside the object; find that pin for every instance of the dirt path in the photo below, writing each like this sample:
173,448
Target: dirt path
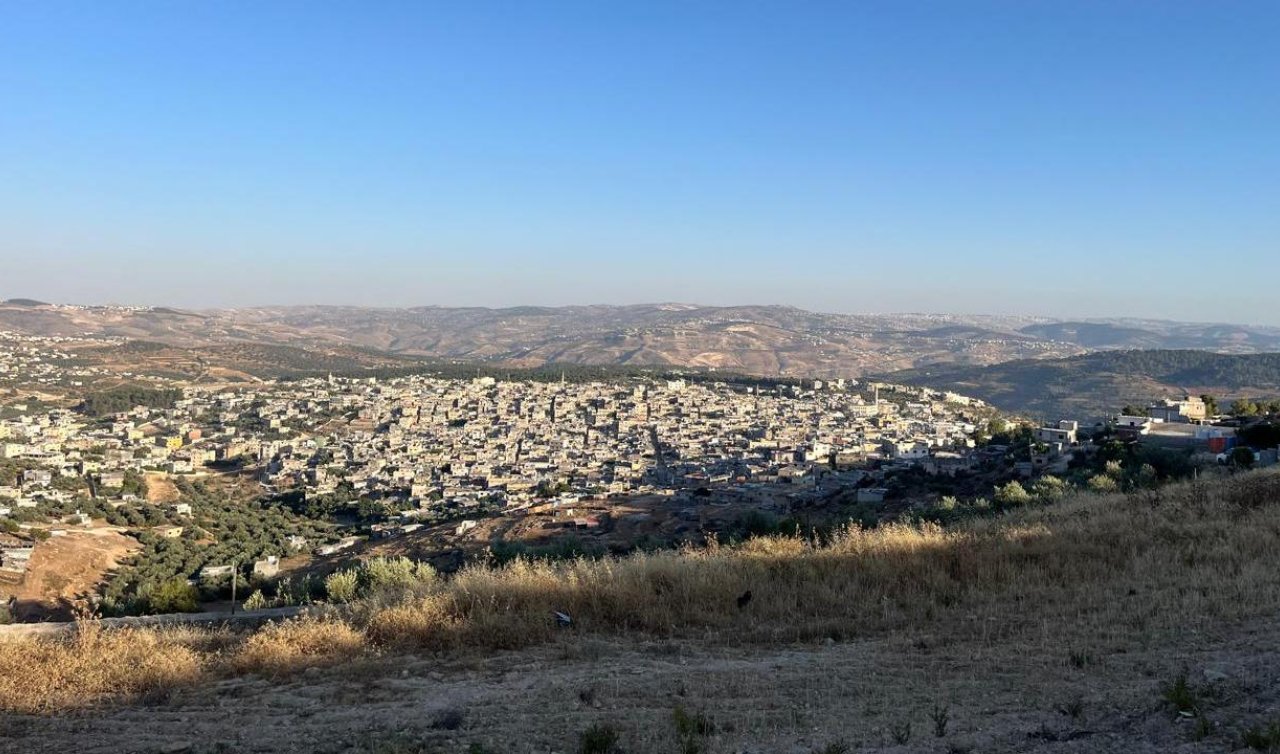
869,694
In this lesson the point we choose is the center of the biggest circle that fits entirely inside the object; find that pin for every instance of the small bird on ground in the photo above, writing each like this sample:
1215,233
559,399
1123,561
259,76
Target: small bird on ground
562,620
743,599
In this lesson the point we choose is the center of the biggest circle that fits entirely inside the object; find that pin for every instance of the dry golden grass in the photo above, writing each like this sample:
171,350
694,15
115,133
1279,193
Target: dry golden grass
292,645
40,675
1130,570
1183,558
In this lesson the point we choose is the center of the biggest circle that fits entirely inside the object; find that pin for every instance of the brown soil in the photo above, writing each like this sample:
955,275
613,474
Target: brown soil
160,489
64,568
795,698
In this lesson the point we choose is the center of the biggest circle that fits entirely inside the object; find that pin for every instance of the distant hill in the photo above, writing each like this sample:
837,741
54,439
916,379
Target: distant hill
763,340
239,361
1099,383
1146,334
24,302
1095,334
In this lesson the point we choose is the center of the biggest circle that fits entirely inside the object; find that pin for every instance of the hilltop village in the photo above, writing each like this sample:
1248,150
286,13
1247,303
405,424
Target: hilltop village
426,444
379,458
193,482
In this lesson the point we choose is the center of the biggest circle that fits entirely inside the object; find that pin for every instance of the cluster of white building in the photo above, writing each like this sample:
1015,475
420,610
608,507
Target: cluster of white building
426,443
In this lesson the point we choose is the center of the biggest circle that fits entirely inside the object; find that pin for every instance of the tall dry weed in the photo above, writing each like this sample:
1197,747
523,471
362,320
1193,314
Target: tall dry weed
1118,568
47,674
279,649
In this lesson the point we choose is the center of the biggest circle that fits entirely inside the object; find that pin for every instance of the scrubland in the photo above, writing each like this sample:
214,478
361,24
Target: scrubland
1147,581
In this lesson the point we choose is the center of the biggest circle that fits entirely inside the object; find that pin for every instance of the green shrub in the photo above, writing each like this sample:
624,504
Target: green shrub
1103,483
1179,695
174,596
380,574
1049,488
342,586
256,601
1012,494
599,739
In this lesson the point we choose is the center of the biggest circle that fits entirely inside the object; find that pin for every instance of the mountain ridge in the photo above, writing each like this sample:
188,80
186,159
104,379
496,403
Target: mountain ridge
1099,383
767,340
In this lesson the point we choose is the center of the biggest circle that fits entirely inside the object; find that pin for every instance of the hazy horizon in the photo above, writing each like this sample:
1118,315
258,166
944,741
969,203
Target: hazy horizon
690,304
1061,160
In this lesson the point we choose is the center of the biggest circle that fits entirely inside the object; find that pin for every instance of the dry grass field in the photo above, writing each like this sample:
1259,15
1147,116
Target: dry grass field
1063,628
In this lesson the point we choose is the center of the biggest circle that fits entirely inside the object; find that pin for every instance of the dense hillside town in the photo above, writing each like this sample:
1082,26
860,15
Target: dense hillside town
204,482
384,457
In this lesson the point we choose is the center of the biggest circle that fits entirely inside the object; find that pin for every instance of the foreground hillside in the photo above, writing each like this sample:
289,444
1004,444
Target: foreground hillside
1096,384
1142,623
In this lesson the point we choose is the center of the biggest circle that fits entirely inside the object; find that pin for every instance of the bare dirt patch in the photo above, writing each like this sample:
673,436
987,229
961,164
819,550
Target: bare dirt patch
64,568
160,489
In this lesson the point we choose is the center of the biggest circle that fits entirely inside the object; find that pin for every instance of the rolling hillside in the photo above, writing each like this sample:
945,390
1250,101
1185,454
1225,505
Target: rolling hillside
763,340
1100,383
1109,624
1036,371
1148,334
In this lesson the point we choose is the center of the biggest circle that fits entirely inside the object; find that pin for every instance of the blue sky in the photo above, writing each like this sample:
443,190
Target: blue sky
1068,158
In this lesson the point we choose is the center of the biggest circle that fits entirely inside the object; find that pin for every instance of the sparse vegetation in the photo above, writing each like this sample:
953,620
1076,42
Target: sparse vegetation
940,717
449,719
1106,566
1080,659
692,730
1073,708
1263,737
1203,727
900,732
1179,695
601,738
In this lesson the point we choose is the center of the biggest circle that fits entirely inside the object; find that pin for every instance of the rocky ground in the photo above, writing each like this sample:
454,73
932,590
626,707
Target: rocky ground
907,694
